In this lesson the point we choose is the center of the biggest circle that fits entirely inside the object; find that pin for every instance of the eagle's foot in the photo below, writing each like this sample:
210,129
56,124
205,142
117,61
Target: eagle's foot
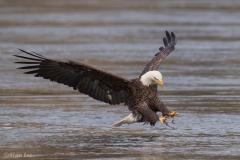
163,120
172,114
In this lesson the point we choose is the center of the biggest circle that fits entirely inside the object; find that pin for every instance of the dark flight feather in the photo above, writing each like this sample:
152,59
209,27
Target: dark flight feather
86,78
169,39
169,42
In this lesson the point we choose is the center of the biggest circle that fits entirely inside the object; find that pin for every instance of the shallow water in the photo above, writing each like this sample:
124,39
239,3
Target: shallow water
41,119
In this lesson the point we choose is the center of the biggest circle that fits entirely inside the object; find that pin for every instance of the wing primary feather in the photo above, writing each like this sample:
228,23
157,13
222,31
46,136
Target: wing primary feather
39,54
174,38
50,69
34,59
31,72
28,62
168,37
165,41
32,54
37,75
29,67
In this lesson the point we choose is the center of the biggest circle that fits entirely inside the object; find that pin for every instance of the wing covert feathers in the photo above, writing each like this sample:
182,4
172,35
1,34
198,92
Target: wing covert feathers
95,82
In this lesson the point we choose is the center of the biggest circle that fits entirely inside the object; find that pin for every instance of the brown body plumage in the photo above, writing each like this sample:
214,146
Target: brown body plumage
144,102
141,99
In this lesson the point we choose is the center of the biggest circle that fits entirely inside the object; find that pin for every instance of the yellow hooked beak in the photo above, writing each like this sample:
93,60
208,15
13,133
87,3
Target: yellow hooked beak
160,82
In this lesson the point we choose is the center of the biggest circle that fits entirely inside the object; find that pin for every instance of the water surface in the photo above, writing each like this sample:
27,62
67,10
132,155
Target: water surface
41,119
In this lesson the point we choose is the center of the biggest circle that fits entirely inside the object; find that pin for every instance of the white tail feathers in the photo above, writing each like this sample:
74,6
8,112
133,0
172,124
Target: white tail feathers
127,120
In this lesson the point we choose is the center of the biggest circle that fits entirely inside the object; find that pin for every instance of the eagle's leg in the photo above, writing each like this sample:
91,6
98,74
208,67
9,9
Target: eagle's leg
172,114
166,112
147,115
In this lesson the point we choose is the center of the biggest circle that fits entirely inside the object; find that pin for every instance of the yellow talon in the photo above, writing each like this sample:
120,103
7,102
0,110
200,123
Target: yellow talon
163,119
172,114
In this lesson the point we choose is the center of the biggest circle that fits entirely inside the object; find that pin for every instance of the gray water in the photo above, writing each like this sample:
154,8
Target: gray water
45,120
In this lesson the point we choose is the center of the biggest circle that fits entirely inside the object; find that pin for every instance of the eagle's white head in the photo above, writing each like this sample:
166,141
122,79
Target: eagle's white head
152,77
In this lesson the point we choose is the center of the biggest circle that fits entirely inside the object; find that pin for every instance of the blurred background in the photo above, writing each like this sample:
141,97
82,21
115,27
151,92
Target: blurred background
201,78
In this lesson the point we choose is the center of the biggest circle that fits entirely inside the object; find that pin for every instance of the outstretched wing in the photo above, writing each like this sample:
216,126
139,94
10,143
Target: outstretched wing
169,42
95,82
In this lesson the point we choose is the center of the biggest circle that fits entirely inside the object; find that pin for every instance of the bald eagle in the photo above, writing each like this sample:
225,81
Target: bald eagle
140,94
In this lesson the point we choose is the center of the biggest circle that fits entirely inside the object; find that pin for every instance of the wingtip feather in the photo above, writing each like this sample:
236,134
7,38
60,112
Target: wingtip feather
165,41
174,38
168,37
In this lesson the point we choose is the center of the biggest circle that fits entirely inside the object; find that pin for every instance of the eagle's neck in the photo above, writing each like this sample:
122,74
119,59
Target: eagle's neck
147,79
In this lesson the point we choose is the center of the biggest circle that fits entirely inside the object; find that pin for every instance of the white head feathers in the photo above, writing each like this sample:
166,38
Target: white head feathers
151,77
